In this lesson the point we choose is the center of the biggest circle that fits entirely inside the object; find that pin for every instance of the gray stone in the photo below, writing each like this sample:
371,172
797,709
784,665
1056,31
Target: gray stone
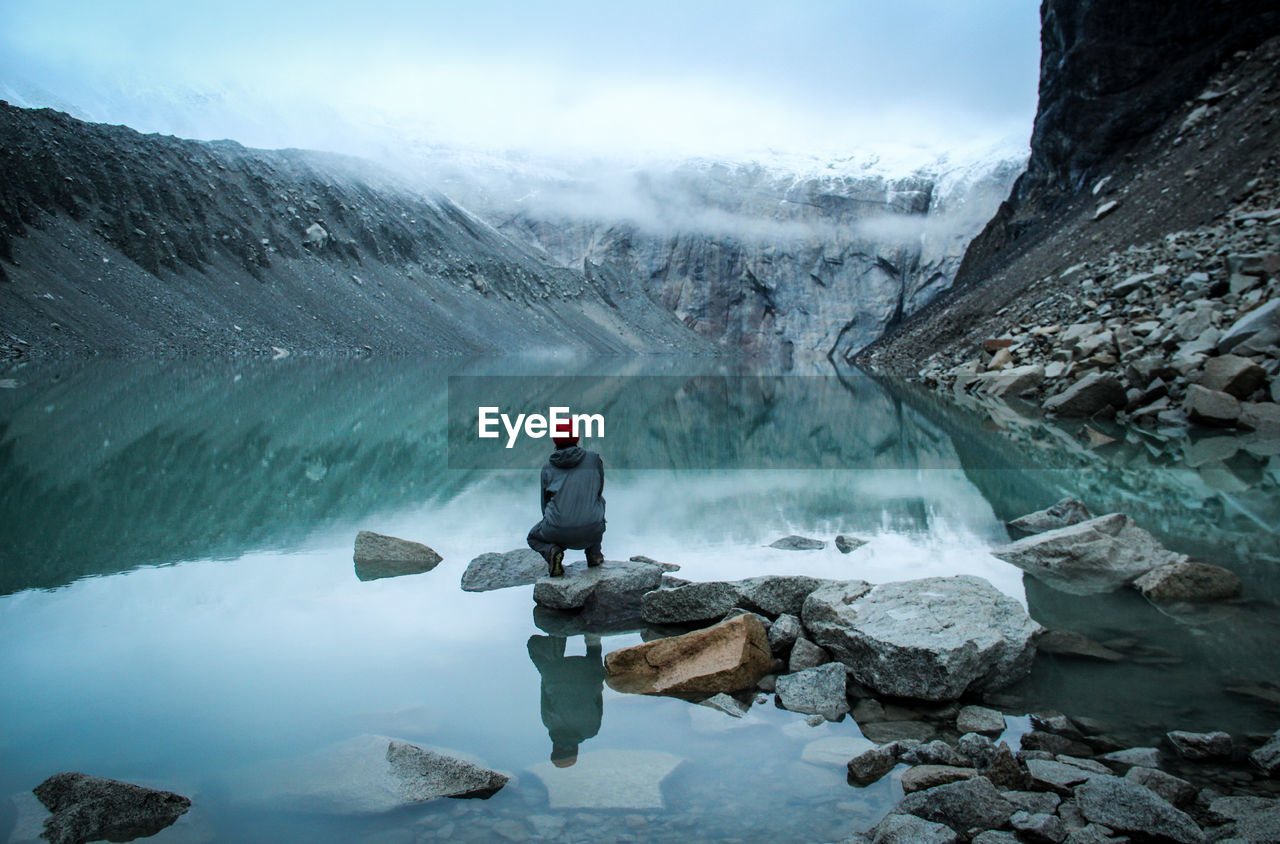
1051,775
1188,581
1052,721
1038,828
1258,328
1267,757
933,753
783,634
976,749
848,543
1084,764
692,603
1263,417
377,556
1066,512
609,779
969,804
1091,557
622,581
86,808
1200,746
1004,771
775,594
922,777
498,571
932,639
897,731
1211,408
1033,802
1092,394
815,691
1253,818
1174,789
994,836
1054,743
1093,834
1128,807
722,702
797,543
870,765
805,655
365,774
909,829
980,719
1146,757
1232,374
1016,381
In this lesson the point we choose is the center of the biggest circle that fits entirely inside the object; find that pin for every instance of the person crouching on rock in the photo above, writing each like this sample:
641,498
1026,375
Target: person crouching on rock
572,503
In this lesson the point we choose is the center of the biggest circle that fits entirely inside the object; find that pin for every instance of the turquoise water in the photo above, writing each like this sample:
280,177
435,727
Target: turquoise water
179,607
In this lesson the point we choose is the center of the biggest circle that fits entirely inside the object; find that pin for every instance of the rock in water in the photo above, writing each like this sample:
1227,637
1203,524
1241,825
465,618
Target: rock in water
608,779
1188,581
798,543
1092,394
933,639
498,571
727,657
980,719
377,556
368,773
1091,557
1126,806
1066,512
816,691
1200,746
847,544
909,829
872,764
615,581
89,808
1267,757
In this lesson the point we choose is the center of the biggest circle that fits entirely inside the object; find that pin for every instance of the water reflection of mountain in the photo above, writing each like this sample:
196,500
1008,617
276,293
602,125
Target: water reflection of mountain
108,466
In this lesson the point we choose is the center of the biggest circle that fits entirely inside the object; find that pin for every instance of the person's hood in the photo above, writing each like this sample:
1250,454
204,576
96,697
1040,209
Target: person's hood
567,458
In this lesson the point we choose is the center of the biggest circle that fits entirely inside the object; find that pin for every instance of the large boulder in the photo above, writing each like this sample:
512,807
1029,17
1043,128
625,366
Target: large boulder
1188,581
936,638
377,555
89,808
1092,394
774,594
727,657
366,774
1250,818
968,804
1232,374
1125,806
498,571
1091,557
816,691
1066,512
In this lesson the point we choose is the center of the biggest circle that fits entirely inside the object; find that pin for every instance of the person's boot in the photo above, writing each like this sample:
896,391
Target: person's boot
595,559
555,561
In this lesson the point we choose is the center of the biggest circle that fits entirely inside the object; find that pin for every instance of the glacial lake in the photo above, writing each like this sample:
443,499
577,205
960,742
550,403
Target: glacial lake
179,606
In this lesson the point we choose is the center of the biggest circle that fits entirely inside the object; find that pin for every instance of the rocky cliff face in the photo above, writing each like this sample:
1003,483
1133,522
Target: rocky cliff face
1132,142
118,243
768,262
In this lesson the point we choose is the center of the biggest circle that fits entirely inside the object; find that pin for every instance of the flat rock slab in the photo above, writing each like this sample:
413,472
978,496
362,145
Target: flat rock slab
377,556
499,571
769,595
86,808
798,543
366,774
609,779
1089,558
931,639
727,657
613,579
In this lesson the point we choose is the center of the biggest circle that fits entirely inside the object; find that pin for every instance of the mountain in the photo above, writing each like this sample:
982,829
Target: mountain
118,243
1154,130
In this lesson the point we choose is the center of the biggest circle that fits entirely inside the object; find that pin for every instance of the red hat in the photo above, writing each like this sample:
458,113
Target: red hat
564,436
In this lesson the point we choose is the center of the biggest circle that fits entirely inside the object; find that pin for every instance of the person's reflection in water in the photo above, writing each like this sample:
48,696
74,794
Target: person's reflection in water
572,701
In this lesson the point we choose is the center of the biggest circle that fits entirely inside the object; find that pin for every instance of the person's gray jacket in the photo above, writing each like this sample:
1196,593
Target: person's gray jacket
572,483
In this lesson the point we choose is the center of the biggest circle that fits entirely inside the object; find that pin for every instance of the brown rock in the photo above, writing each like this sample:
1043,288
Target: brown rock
1211,407
994,344
927,776
1188,581
1232,374
728,657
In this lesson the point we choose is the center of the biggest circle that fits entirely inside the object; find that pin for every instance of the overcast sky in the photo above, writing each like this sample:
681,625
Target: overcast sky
816,77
